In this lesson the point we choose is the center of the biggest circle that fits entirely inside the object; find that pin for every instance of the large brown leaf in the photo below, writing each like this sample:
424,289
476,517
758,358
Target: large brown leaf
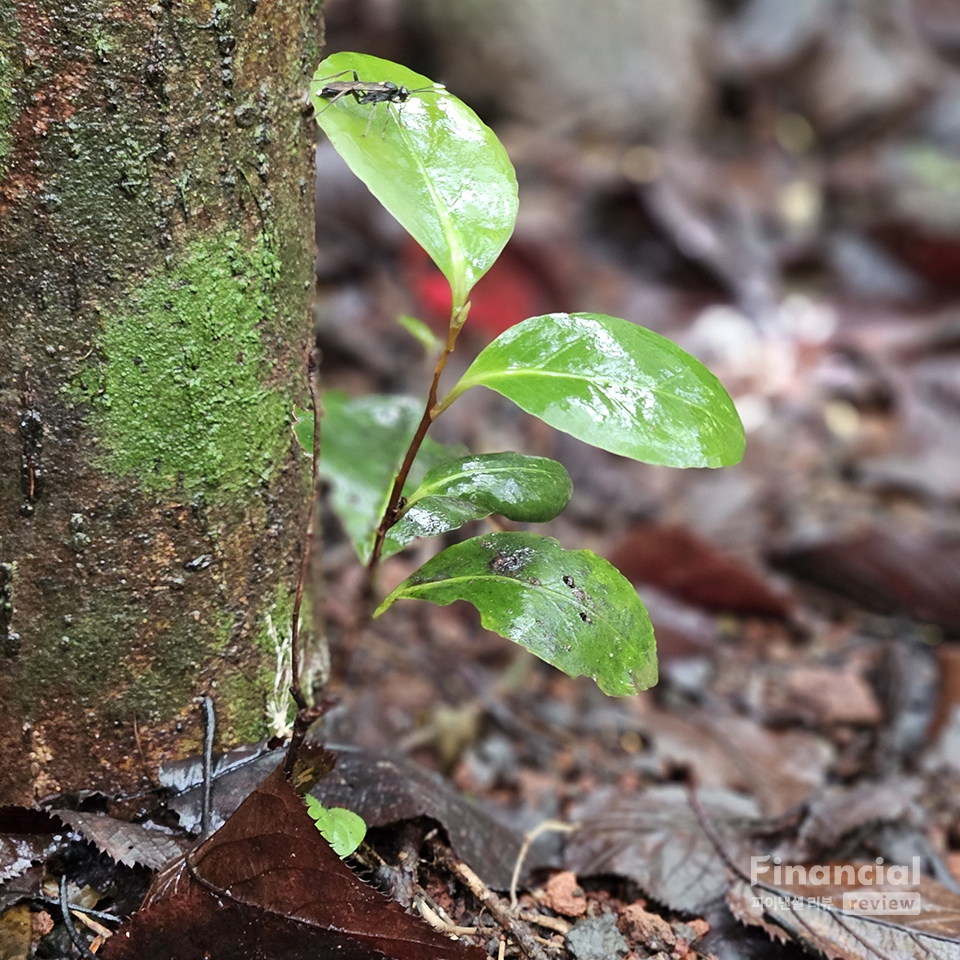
381,788
812,915
268,872
655,839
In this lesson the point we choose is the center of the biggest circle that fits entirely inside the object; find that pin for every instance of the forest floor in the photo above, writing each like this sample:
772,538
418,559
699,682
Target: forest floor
806,604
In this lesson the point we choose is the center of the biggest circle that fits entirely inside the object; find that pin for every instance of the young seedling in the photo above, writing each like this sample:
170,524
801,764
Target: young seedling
447,179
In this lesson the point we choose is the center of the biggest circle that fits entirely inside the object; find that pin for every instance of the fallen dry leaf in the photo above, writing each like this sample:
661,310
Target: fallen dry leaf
385,788
886,570
655,839
265,885
779,768
812,915
127,843
681,563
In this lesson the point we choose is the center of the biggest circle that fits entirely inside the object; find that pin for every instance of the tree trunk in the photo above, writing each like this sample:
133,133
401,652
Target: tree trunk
155,242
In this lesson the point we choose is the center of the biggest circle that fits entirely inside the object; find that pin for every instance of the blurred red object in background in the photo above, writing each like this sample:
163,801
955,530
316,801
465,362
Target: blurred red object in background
512,290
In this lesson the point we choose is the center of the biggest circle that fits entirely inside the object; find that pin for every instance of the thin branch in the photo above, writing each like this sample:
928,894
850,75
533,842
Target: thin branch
706,824
78,941
519,930
209,728
306,714
548,826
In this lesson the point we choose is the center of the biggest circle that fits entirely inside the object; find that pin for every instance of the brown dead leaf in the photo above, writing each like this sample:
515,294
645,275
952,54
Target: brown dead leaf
813,915
886,570
824,696
679,562
127,843
15,933
779,768
267,883
385,789
655,839
378,787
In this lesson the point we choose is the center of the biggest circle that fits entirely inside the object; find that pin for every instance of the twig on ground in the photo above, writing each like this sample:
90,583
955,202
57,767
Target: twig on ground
519,930
548,826
556,924
85,951
209,729
706,824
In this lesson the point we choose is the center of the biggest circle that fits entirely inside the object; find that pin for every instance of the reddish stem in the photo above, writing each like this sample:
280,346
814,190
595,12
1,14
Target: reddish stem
392,514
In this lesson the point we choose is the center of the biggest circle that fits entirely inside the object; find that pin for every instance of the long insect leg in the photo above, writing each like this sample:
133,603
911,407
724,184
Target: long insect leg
346,90
373,113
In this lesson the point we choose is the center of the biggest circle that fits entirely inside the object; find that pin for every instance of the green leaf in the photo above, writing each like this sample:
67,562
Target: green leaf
615,385
341,828
430,161
528,489
363,442
569,607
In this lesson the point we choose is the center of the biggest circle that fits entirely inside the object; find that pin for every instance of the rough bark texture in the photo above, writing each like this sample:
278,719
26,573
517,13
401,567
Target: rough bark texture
155,269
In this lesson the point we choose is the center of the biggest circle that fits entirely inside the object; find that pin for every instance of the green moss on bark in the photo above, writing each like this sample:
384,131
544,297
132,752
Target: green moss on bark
8,29
181,399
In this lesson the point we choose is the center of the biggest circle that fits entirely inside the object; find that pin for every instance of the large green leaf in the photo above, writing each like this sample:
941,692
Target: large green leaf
569,607
528,489
363,441
615,385
430,161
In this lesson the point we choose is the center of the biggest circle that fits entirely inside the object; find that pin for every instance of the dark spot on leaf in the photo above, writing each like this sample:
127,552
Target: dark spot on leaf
568,581
507,564
585,617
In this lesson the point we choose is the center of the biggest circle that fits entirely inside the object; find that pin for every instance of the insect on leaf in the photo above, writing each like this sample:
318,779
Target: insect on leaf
413,156
569,607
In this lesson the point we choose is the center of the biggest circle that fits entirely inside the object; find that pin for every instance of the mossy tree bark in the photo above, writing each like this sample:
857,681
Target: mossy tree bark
156,251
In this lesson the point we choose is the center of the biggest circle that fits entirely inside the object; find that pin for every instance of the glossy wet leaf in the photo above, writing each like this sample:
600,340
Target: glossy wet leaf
527,489
615,385
430,161
341,828
363,441
569,607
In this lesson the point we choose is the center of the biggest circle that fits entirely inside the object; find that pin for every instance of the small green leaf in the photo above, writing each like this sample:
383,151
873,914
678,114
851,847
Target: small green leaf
341,828
615,385
363,441
430,161
528,489
569,607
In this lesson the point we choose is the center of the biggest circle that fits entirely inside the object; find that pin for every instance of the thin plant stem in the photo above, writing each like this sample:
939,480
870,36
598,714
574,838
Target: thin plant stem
430,412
